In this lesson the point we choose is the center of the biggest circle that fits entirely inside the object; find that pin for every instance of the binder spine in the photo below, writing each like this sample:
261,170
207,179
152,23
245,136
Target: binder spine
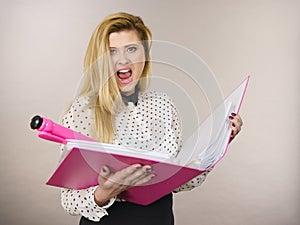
51,131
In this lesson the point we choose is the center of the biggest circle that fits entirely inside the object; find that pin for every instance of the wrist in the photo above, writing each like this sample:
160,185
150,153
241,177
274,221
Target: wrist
100,198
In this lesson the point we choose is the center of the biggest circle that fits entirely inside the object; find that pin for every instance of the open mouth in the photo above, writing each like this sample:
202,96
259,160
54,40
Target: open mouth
124,75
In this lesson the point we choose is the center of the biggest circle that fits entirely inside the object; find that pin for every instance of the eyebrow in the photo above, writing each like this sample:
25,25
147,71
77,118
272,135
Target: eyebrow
125,46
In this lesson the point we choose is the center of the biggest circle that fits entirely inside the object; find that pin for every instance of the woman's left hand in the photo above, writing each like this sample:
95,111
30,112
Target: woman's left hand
235,124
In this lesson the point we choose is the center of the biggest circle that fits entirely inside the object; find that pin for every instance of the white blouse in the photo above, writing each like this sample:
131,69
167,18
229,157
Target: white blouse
152,124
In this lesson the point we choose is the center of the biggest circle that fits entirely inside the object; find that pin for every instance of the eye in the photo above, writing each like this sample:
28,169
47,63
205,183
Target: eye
113,51
131,49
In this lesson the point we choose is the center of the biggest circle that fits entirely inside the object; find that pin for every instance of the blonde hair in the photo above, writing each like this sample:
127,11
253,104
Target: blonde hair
99,81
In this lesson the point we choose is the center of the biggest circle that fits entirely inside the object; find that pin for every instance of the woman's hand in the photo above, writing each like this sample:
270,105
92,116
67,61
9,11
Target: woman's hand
235,124
112,184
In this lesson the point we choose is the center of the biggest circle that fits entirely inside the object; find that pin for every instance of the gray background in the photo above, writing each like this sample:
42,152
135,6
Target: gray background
41,57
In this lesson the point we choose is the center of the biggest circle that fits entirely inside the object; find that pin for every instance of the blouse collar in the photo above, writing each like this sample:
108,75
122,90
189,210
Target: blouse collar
133,97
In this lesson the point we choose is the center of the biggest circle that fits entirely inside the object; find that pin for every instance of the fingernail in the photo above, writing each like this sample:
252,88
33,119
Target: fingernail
138,167
234,114
230,117
148,170
233,125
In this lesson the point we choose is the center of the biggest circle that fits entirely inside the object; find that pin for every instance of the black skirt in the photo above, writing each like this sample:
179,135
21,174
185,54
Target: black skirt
126,213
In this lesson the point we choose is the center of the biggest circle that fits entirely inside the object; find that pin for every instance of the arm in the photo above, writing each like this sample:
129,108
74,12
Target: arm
92,202
81,202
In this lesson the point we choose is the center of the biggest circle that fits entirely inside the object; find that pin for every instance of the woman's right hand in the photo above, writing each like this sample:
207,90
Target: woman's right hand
112,184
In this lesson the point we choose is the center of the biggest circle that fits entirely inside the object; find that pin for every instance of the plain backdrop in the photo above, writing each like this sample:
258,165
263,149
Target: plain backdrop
41,59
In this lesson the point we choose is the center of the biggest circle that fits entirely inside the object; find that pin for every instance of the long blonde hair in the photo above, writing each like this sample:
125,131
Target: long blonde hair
99,82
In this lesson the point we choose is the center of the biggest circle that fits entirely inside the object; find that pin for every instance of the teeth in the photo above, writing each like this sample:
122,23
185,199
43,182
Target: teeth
124,71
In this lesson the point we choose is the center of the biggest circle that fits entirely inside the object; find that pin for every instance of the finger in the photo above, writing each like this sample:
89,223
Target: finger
234,133
121,177
237,118
139,175
129,170
104,174
232,122
235,128
235,123
136,175
144,179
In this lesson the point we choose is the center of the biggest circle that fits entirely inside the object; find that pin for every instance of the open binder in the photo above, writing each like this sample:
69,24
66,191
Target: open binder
80,168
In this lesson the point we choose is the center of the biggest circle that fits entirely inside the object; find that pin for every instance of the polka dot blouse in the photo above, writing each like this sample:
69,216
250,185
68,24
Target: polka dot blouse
152,124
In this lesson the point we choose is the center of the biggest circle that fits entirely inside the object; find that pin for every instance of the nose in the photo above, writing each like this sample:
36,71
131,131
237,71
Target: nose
123,59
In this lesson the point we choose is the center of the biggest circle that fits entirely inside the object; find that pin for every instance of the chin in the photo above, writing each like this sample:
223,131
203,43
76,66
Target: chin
128,89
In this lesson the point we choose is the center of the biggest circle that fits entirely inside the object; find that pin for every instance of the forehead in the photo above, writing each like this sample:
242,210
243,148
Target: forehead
122,38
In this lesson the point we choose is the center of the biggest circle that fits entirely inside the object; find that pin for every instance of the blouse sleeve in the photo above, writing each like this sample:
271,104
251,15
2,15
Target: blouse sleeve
81,202
196,181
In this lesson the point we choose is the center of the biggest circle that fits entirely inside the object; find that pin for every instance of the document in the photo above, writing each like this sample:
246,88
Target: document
80,168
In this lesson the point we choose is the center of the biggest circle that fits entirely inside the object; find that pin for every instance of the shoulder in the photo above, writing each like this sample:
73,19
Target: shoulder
80,102
79,107
158,97
79,115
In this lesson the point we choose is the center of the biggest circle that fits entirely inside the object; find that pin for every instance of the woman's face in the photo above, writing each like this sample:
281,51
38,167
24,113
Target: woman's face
128,57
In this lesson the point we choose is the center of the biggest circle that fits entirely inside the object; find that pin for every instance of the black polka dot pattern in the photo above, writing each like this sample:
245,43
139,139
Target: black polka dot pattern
153,124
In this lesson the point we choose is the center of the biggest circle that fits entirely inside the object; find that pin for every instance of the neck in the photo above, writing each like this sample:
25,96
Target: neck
131,96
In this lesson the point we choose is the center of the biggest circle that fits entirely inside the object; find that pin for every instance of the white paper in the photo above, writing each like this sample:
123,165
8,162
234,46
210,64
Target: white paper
118,149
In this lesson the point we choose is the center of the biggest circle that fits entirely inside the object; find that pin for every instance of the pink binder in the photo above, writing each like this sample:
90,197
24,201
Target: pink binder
80,167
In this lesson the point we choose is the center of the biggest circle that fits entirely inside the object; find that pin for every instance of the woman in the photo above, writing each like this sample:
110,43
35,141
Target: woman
114,106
